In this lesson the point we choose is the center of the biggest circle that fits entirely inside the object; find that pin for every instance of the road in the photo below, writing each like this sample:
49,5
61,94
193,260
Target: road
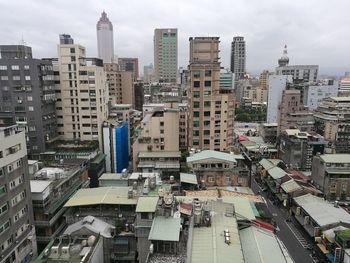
289,232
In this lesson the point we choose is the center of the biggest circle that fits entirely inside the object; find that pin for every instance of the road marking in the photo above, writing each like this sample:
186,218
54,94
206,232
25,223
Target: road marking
298,235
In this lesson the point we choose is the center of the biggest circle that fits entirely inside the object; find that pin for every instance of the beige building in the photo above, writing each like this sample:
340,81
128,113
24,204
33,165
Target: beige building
211,109
264,79
256,94
156,142
121,85
82,94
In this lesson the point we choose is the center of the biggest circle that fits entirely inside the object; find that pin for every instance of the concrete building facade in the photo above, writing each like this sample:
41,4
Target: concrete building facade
316,93
17,233
238,57
82,94
211,109
165,54
27,96
130,65
105,42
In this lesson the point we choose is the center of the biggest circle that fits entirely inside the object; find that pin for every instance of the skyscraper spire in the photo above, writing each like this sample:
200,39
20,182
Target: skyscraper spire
284,60
105,42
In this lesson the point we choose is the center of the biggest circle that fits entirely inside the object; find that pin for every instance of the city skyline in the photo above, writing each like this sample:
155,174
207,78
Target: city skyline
309,32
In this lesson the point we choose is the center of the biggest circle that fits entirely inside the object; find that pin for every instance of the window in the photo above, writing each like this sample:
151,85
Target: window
30,108
196,84
72,50
196,114
5,226
207,113
26,67
206,141
207,93
195,123
2,190
211,179
27,77
196,94
196,74
208,73
4,78
206,103
16,77
195,133
4,208
72,58
196,104
207,83
29,98
15,67
206,132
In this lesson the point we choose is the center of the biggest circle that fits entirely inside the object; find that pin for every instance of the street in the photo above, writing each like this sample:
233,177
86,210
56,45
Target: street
288,232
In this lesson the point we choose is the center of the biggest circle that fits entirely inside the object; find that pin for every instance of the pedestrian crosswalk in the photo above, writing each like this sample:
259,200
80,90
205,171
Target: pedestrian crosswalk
298,235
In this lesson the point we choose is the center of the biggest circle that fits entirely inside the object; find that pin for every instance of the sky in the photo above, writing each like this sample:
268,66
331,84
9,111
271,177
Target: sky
316,31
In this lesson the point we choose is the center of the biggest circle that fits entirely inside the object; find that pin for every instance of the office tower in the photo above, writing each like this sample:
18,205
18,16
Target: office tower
27,96
138,95
165,54
211,109
121,85
238,57
82,94
105,42
131,65
17,239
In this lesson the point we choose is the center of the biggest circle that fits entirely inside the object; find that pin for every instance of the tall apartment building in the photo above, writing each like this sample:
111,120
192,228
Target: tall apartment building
211,109
121,87
27,96
156,142
105,42
332,120
165,54
264,79
183,128
17,233
148,73
238,57
131,65
290,103
82,94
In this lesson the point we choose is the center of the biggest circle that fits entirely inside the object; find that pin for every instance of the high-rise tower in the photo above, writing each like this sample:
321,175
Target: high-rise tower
210,107
238,57
165,54
105,42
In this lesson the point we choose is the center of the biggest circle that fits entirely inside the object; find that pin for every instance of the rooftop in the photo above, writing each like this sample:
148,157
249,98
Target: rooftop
165,229
208,244
269,163
259,245
101,195
147,204
276,172
323,212
290,186
93,224
112,176
188,178
209,154
38,186
335,158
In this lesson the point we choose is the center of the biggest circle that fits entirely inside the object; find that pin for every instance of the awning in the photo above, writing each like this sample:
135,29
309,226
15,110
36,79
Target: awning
323,248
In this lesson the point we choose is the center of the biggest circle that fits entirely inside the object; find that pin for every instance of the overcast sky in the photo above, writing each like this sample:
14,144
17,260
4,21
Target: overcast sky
316,31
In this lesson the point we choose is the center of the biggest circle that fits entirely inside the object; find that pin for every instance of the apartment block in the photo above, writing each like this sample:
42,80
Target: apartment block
17,233
165,54
121,87
238,57
82,94
130,65
211,109
27,96
332,121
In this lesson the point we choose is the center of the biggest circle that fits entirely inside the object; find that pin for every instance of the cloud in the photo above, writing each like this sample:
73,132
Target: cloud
316,31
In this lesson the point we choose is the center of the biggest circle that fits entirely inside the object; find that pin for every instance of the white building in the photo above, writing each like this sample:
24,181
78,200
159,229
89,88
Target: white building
316,93
302,73
277,83
105,43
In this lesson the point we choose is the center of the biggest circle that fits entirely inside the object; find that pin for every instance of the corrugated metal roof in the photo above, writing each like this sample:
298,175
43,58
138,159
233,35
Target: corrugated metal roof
276,172
208,154
321,211
266,164
290,186
101,195
261,246
188,178
335,158
147,204
242,206
208,244
165,229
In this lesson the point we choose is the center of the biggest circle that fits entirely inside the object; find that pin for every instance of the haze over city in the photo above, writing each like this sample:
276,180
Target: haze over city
315,31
